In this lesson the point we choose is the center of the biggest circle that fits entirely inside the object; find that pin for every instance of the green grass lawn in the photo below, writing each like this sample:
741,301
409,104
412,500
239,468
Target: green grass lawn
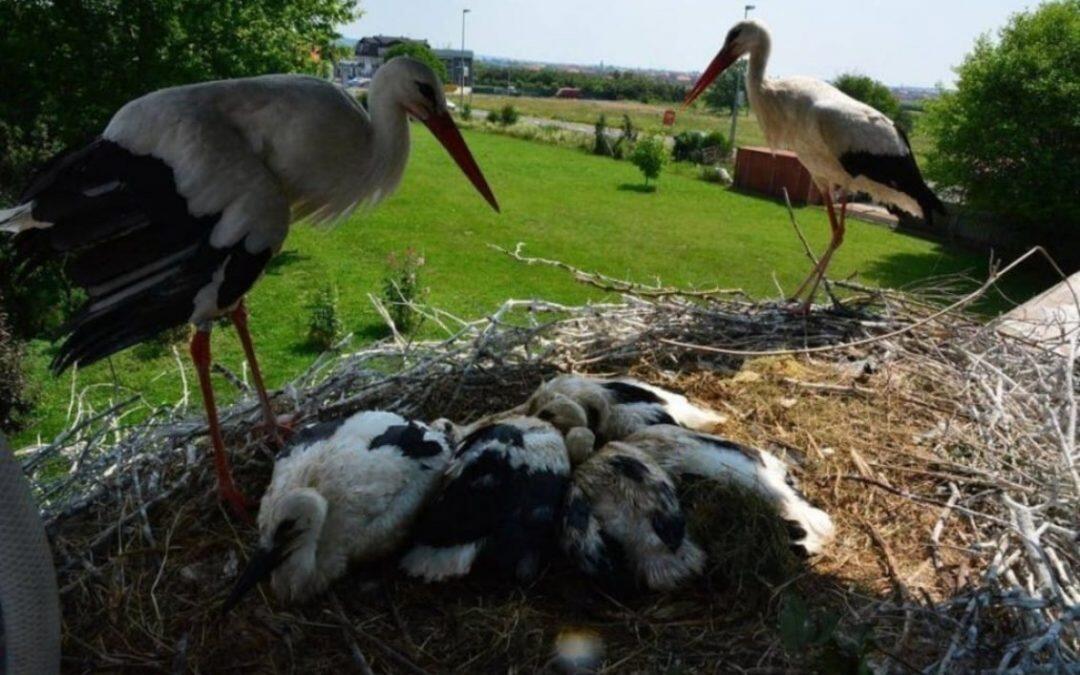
649,117
563,204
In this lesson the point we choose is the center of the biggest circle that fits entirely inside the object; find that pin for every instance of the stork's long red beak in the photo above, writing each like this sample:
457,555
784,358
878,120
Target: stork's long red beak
722,62
442,125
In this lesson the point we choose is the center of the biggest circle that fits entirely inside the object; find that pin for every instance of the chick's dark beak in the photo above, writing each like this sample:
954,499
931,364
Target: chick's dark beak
261,565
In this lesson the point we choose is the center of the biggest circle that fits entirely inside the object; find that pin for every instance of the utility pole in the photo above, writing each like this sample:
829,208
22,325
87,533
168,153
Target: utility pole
738,92
463,66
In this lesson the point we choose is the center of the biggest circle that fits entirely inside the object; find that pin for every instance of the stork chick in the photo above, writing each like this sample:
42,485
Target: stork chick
499,504
686,453
617,408
623,522
343,491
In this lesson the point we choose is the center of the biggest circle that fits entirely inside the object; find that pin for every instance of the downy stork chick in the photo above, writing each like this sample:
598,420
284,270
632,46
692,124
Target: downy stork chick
617,408
686,453
499,505
563,413
343,491
623,523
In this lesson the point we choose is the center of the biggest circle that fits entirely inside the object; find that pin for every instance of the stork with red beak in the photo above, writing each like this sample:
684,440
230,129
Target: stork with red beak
846,145
173,213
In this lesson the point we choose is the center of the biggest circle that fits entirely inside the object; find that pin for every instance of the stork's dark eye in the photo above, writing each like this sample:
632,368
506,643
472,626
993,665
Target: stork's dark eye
426,90
733,34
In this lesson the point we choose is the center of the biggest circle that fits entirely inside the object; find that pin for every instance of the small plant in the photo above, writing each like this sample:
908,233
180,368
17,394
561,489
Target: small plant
624,146
493,117
324,324
401,289
466,111
601,142
508,115
649,157
16,396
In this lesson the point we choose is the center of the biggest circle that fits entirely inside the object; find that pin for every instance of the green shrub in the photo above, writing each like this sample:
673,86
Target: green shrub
16,396
1008,137
601,142
717,139
876,95
508,115
688,146
649,157
401,288
466,111
324,324
493,117
692,146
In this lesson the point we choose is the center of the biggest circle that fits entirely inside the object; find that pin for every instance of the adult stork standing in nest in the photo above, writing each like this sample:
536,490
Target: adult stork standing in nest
845,144
173,213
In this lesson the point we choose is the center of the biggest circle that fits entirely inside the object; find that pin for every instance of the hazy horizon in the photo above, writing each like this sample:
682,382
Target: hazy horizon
912,44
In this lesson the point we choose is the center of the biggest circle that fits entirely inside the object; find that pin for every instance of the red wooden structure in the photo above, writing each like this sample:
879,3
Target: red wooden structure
761,171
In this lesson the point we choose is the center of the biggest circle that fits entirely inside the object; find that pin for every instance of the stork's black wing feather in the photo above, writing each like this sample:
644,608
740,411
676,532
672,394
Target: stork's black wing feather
126,237
899,172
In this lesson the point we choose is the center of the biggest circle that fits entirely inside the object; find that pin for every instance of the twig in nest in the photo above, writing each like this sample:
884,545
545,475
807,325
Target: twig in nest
347,632
606,283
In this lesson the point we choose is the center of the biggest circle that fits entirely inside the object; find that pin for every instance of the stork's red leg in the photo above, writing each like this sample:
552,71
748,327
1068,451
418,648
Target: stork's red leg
837,227
200,355
240,321
838,230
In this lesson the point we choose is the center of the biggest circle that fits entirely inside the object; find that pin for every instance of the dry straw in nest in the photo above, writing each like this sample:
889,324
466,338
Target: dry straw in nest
945,450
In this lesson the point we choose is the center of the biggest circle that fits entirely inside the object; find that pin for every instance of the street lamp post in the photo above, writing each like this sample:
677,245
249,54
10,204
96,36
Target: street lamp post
738,92
462,57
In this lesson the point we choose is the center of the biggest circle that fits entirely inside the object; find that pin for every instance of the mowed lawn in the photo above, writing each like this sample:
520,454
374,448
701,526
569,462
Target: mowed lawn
648,117
561,203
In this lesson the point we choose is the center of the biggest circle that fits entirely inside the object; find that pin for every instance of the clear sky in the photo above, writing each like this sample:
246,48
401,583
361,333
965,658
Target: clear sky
908,42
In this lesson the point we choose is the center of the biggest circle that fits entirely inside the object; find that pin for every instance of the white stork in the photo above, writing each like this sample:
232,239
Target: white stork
172,214
845,144
343,491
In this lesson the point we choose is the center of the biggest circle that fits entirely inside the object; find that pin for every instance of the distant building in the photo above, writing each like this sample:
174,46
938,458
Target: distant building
568,92
371,53
458,64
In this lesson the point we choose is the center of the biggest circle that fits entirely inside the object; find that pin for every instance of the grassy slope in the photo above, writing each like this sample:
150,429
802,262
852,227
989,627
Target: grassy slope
562,204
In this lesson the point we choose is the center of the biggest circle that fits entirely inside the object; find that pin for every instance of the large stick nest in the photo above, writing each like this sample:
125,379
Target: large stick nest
944,450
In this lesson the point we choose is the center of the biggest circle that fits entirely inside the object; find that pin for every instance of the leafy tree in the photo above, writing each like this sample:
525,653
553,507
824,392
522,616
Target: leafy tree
723,93
67,65
649,156
420,52
876,95
1009,136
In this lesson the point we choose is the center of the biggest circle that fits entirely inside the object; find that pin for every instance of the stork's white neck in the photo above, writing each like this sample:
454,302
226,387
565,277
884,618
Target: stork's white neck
390,136
759,58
